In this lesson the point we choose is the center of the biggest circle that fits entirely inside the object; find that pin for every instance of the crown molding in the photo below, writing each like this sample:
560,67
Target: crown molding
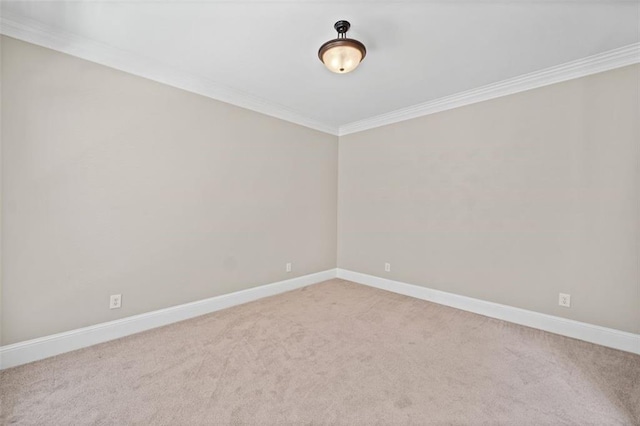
605,61
91,50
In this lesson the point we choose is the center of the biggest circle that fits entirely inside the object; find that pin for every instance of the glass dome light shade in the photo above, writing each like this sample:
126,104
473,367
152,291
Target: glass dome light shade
342,55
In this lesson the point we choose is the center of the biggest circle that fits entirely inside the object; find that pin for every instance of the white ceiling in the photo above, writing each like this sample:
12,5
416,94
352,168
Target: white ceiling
267,50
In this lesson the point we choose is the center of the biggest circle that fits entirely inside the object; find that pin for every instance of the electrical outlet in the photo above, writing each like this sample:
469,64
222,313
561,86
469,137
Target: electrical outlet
387,267
564,300
288,267
116,301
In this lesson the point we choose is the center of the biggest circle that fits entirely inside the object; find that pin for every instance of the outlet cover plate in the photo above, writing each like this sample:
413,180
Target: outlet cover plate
115,301
564,300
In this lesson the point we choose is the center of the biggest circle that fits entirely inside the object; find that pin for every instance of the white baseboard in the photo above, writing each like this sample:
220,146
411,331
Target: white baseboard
55,344
44,347
609,337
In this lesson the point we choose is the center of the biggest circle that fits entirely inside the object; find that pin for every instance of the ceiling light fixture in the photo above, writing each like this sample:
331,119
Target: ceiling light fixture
342,55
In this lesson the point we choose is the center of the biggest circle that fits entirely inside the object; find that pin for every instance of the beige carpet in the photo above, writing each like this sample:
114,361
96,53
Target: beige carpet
332,353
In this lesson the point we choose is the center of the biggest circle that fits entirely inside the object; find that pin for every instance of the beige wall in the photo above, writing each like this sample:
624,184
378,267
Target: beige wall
117,184
512,200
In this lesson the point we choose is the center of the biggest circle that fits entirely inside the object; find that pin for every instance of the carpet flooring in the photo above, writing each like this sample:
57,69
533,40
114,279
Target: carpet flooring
332,353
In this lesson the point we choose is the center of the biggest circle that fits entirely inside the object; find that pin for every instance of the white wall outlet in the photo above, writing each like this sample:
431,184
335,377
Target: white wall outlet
564,300
288,267
115,301
387,267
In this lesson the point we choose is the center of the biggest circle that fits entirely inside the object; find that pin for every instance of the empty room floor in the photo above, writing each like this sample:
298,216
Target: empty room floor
332,353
